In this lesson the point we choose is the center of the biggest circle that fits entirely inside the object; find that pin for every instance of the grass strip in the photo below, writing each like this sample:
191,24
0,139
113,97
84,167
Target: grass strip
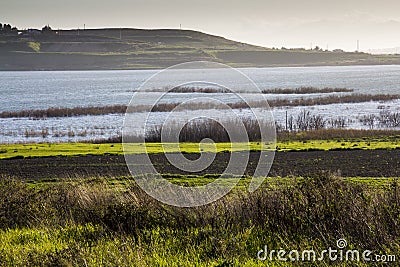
8,151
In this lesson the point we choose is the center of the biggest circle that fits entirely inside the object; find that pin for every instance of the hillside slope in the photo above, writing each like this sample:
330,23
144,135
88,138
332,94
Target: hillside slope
139,49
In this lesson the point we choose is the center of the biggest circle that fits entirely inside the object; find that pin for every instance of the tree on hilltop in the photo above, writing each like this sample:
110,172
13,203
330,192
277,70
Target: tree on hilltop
47,29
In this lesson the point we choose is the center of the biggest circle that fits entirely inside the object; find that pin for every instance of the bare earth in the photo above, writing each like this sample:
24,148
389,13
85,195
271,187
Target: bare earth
362,163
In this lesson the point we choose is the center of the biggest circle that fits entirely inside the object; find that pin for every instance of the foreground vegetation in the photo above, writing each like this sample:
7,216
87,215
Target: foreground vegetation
96,222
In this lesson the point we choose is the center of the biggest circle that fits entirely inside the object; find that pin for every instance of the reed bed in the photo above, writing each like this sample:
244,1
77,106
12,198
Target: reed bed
306,90
167,107
191,89
64,112
332,99
298,90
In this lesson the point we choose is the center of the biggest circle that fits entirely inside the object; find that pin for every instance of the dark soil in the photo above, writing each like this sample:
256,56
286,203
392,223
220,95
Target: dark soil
363,163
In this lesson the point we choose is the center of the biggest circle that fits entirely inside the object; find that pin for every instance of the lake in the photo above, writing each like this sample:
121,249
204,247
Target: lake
45,89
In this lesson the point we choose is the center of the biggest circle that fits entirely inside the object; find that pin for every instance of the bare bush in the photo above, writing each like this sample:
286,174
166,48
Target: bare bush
389,119
197,130
368,120
338,123
305,121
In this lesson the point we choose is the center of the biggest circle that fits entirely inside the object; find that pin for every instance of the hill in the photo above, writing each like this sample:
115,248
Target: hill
94,49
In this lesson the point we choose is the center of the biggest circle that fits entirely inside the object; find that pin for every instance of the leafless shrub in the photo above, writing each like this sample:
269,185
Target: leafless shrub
339,122
368,120
197,130
306,121
385,119
389,119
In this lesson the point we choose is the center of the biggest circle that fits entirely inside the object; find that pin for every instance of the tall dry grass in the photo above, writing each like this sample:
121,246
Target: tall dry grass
307,90
332,99
64,112
323,207
298,90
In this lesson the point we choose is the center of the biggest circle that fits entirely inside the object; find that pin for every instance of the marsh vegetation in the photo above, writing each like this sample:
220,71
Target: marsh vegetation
167,107
103,222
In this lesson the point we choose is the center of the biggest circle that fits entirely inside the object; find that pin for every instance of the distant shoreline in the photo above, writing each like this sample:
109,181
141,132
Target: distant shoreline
135,49
161,68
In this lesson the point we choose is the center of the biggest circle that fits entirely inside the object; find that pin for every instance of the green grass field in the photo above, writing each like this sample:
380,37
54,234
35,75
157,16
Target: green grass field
78,149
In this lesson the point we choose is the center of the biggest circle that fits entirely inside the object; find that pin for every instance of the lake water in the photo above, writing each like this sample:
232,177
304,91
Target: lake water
41,90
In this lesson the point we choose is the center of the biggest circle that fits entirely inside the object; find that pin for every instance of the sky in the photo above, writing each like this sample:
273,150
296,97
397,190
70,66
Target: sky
335,24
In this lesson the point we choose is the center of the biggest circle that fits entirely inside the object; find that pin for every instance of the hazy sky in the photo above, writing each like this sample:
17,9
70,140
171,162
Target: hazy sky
290,23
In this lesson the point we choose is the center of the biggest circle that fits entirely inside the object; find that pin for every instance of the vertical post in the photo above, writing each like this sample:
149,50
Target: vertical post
286,121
